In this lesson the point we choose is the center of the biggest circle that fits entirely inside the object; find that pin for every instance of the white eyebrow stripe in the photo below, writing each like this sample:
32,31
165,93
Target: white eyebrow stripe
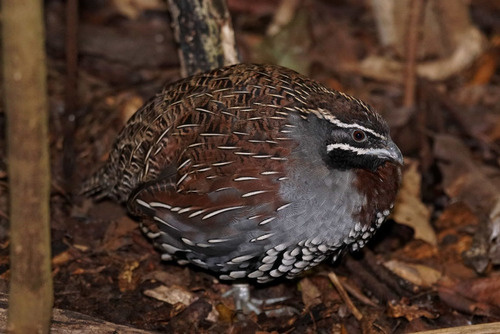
357,150
334,120
340,124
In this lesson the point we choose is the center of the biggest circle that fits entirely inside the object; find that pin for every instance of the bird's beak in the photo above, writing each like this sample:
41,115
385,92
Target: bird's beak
392,153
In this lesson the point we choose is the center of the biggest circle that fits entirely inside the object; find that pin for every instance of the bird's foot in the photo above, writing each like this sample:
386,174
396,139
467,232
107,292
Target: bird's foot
246,304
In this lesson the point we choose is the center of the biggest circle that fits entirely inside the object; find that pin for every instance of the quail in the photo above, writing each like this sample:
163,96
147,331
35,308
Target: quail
253,172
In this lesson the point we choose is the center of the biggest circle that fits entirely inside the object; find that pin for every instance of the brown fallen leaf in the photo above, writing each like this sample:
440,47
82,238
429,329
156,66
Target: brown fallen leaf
454,226
466,179
418,250
403,309
226,314
478,296
485,289
415,273
409,208
311,296
62,258
456,215
116,234
89,271
127,281
192,318
176,276
183,300
487,64
171,294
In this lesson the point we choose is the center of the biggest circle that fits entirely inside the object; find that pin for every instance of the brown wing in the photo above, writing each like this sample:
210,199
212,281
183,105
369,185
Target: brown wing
197,193
228,102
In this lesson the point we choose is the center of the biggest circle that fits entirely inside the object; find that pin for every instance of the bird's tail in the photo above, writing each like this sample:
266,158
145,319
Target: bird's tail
100,185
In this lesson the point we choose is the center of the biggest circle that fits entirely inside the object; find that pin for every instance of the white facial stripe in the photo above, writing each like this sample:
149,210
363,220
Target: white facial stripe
321,113
357,150
340,124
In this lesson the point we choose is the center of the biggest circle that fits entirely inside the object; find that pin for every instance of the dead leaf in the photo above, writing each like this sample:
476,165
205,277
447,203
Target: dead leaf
494,133
478,296
461,176
484,289
409,209
455,215
171,294
89,271
81,248
403,309
62,258
311,296
487,64
225,313
415,273
116,234
417,249
175,276
127,281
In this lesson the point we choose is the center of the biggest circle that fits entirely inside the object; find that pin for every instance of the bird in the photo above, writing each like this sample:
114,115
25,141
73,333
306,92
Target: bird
253,172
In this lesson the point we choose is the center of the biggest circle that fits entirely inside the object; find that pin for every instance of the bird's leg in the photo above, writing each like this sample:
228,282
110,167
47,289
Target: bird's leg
246,304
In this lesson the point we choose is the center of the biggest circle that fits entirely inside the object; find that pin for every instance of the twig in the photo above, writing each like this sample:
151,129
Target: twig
71,54
71,96
356,293
416,15
377,286
491,328
343,294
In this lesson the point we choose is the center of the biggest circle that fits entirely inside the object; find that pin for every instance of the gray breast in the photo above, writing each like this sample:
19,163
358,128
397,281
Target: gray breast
316,220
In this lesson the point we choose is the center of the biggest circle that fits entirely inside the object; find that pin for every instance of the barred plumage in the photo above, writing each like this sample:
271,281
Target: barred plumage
253,171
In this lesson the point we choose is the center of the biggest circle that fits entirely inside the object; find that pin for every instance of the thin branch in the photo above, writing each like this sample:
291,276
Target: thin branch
338,285
71,95
416,15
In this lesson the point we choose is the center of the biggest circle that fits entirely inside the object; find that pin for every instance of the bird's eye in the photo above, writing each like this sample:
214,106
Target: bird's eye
358,136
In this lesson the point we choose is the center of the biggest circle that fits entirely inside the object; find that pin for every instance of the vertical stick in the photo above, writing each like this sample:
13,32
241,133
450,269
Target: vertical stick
343,294
205,35
25,88
71,96
414,23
